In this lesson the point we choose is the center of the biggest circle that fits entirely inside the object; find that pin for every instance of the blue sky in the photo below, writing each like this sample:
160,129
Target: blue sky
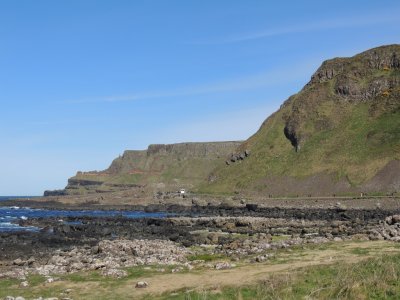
81,81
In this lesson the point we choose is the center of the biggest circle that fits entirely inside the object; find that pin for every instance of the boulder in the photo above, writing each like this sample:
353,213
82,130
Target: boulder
95,249
141,285
18,262
261,258
251,207
396,219
31,261
65,229
389,220
106,231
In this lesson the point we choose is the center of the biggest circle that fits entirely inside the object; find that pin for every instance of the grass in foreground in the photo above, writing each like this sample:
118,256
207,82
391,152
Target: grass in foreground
373,278
39,288
376,278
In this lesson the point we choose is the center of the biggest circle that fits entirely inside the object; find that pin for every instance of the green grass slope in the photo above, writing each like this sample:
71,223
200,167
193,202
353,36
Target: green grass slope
334,136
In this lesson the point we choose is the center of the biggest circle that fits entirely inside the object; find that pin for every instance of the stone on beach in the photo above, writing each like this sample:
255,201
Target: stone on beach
141,284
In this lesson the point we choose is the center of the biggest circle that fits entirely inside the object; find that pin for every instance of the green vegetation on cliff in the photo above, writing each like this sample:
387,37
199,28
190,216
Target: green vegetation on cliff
175,165
334,136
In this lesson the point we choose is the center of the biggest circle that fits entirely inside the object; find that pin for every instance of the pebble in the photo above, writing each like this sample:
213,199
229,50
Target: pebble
141,284
223,266
50,280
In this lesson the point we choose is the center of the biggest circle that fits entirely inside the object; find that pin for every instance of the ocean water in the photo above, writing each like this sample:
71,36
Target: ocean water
11,214
4,198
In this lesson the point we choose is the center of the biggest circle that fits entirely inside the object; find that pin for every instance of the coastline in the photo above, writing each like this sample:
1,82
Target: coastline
229,233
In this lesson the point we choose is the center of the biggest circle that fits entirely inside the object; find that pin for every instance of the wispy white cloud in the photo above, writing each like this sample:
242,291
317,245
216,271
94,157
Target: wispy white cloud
259,80
367,20
224,126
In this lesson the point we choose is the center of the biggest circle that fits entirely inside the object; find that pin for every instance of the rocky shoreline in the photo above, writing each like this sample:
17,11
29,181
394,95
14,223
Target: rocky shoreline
101,245
178,243
221,232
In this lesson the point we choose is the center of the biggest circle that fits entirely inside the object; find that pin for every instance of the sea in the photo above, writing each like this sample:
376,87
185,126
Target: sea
9,215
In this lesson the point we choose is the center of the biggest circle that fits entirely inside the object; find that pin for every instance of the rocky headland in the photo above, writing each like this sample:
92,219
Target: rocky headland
160,167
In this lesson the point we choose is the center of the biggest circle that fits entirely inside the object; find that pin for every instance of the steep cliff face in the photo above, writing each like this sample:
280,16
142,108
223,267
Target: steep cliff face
340,134
177,165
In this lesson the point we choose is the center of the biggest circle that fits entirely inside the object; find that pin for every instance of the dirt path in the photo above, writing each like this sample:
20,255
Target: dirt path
247,274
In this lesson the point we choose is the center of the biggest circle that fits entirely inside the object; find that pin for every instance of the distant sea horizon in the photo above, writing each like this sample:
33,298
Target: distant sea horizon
4,198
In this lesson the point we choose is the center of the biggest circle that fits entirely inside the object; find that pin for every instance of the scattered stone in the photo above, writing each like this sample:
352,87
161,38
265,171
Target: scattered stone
95,249
77,266
141,285
19,274
389,230
188,266
389,220
177,270
31,261
24,284
242,237
396,219
50,280
18,262
223,266
261,258
116,273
